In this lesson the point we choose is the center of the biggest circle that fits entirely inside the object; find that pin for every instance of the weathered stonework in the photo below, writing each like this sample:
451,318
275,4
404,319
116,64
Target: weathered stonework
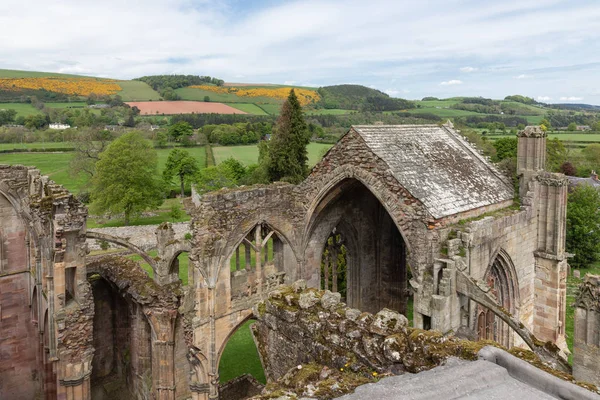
446,232
586,354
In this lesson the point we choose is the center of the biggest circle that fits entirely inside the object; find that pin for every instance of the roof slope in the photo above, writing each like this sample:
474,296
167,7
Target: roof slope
437,167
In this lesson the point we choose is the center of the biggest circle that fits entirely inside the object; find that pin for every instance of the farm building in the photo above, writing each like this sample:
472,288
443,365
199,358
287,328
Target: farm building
59,126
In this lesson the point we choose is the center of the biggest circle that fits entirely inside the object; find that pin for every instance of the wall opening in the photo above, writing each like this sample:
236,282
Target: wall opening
355,244
70,274
238,358
258,259
122,337
501,279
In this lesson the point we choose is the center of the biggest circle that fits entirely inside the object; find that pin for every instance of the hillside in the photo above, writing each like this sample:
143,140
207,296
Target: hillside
360,98
16,86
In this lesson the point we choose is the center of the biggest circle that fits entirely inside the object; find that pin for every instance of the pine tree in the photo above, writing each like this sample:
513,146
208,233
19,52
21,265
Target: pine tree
287,158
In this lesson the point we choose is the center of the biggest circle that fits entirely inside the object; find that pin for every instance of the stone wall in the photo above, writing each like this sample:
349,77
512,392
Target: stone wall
586,352
142,236
299,326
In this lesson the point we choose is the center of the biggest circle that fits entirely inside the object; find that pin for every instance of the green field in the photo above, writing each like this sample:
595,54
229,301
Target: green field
22,109
137,91
241,356
56,165
249,154
73,104
272,109
248,107
36,145
443,112
9,73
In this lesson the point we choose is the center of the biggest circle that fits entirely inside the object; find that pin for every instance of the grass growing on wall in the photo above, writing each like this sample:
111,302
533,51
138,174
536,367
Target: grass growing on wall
241,356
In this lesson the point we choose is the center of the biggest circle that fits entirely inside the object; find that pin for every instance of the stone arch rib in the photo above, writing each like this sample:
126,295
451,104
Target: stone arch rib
123,243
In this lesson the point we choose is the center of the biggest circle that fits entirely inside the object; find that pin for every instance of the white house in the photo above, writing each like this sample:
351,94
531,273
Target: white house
59,126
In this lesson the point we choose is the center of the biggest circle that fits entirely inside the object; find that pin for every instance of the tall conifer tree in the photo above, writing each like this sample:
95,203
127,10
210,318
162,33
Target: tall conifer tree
287,154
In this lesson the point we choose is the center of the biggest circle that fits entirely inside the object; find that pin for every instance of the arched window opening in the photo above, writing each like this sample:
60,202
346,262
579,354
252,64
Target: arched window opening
355,248
239,360
501,280
334,265
257,264
180,266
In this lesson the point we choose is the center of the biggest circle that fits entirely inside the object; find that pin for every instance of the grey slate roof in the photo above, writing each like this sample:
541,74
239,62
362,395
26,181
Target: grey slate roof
463,380
437,166
575,181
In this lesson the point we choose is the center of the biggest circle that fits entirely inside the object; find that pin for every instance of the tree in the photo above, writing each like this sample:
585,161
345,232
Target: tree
180,131
505,148
288,157
572,127
567,168
207,99
89,144
126,179
556,154
583,226
182,164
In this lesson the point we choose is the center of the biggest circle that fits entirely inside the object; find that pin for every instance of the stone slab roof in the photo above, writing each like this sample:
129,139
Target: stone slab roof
575,181
437,166
456,380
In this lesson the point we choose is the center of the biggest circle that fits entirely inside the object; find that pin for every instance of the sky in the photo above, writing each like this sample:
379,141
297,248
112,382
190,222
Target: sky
545,49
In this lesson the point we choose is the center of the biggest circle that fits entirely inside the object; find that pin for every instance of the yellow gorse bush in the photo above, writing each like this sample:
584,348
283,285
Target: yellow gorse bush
305,96
70,86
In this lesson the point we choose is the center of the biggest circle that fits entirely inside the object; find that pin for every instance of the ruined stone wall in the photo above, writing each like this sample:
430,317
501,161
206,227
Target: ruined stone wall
586,351
299,326
142,236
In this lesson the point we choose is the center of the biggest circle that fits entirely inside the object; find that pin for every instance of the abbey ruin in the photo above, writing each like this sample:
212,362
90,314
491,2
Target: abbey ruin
418,211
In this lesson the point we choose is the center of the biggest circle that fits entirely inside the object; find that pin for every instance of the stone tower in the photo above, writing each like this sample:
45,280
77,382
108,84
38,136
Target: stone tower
586,351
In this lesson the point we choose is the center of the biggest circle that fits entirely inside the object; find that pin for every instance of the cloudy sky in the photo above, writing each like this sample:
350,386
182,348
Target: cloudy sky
546,49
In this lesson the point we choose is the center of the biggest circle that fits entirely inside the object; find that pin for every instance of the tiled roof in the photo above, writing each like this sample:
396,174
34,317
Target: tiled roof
437,166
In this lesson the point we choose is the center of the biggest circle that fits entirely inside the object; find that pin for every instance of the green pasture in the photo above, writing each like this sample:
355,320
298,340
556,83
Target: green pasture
240,356
248,107
8,73
73,104
271,109
249,154
565,137
36,145
198,95
56,165
443,112
22,109
137,91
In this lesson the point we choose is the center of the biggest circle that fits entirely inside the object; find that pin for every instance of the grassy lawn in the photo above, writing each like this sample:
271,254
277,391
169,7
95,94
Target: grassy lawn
163,216
36,145
249,154
248,107
56,165
272,109
22,109
8,73
137,90
73,104
572,287
241,356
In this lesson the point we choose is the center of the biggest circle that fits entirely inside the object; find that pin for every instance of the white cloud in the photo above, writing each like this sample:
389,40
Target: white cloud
392,92
571,98
289,83
451,82
523,76
307,40
544,98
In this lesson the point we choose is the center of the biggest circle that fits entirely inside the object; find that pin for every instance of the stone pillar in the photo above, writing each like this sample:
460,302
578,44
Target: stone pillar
550,259
165,240
163,352
531,156
586,344
74,377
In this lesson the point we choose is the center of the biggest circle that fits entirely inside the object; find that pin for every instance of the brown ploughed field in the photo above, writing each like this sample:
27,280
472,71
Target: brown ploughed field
182,107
